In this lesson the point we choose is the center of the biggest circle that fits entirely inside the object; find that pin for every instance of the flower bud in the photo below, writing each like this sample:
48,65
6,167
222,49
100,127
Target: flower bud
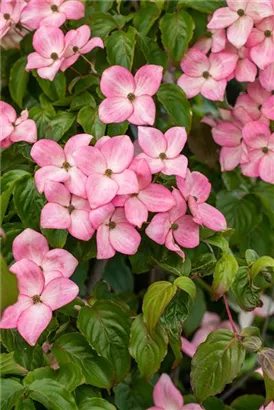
252,343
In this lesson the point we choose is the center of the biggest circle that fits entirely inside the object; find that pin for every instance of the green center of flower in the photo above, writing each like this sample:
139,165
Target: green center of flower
206,74
265,150
267,33
163,156
66,165
131,97
240,12
70,208
6,16
36,299
54,7
112,225
54,56
174,227
75,49
108,172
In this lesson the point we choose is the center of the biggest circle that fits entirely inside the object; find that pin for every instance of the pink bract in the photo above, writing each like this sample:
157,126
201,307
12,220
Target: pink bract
10,15
261,43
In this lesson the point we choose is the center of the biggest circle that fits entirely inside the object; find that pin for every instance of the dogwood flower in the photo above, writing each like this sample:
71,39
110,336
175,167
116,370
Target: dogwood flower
13,129
269,407
150,197
33,246
114,232
59,165
261,43
245,70
239,17
66,211
173,226
10,14
214,40
246,318
167,397
206,75
195,189
130,98
51,12
266,78
80,44
32,313
106,166
163,151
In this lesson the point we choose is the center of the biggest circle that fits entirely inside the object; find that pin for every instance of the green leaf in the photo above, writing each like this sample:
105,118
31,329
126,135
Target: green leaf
148,350
265,192
4,203
216,363
174,100
9,290
118,274
224,275
187,285
248,402
156,299
120,48
9,179
205,6
56,237
175,314
52,395
196,313
28,202
18,81
177,31
261,264
60,124
82,100
88,118
11,392
145,17
204,264
42,116
117,129
102,24
106,327
9,366
171,262
133,393
73,347
96,403
25,404
55,89
246,294
152,51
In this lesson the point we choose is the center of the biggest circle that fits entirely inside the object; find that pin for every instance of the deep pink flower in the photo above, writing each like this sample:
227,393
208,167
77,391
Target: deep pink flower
80,44
163,151
114,232
206,75
130,98
32,246
266,78
260,144
173,226
13,129
261,43
239,17
167,397
10,13
245,70
66,211
195,189
106,166
150,197
51,12
59,165
32,313
49,44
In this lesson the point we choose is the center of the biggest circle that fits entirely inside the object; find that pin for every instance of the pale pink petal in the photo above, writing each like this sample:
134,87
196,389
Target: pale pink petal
166,395
56,19
118,153
101,141
25,131
257,92
180,208
54,216
245,71
191,85
227,134
210,217
175,166
158,228
104,248
35,60
59,292
230,157
117,81
115,109
176,138
11,313
119,216
81,227
148,79
157,198
30,245
49,173
59,260
90,160
259,9
127,182
155,164
267,78
263,53
195,63
141,168
69,61
152,141
100,190
29,277
256,134
74,10
74,143
266,167
222,18
187,234
144,111
48,40
136,212
222,65
188,348
80,203
57,193
93,43
33,321
76,184
268,108
50,275
7,110
192,406
35,11
255,37
47,152
218,41
251,168
125,239
196,185
203,45
6,127
214,90
119,200
48,73
239,31
101,215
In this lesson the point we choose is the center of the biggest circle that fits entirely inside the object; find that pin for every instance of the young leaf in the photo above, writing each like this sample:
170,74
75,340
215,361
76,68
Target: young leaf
246,294
260,264
224,275
120,48
18,81
186,284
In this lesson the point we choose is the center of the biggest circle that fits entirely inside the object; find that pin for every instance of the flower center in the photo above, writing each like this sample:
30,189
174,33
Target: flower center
108,172
134,195
174,227
163,156
206,74
54,56
267,33
36,299
112,225
75,49
66,165
6,16
208,34
265,150
54,7
240,12
259,107
131,97
70,208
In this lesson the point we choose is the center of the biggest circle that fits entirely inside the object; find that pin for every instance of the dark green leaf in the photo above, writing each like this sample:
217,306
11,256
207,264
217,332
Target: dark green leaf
204,264
11,392
120,48
88,118
265,192
146,16
42,116
52,395
60,124
117,129
18,81
9,291
82,100
9,366
175,314
248,402
96,403
56,237
133,393
196,313
118,274
205,6
25,404
102,24
152,51
55,89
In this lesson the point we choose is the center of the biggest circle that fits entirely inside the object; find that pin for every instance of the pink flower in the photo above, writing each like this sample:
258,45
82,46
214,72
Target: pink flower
32,313
266,78
195,189
260,144
114,232
130,98
59,165
49,44
10,12
246,318
66,211
167,397
163,151
261,43
173,226
239,17
51,12
13,129
32,246
12,39
106,166
206,75
150,197
80,44
245,70
269,407
214,40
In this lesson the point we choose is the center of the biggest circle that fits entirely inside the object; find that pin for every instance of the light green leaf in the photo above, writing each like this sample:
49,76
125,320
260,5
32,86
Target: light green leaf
88,118
224,275
25,404
18,81
11,392
261,264
8,365
187,285
120,48
96,403
9,290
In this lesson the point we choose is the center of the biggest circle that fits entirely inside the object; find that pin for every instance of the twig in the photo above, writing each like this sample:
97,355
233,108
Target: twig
230,315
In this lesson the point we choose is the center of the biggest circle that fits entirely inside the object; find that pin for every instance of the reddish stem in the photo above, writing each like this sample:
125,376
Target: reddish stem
230,315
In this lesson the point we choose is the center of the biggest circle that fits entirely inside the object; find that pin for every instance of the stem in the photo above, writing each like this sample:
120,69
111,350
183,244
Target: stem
230,315
76,71
90,63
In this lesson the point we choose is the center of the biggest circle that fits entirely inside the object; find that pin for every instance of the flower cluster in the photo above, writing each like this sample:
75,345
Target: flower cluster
104,188
43,284
13,129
